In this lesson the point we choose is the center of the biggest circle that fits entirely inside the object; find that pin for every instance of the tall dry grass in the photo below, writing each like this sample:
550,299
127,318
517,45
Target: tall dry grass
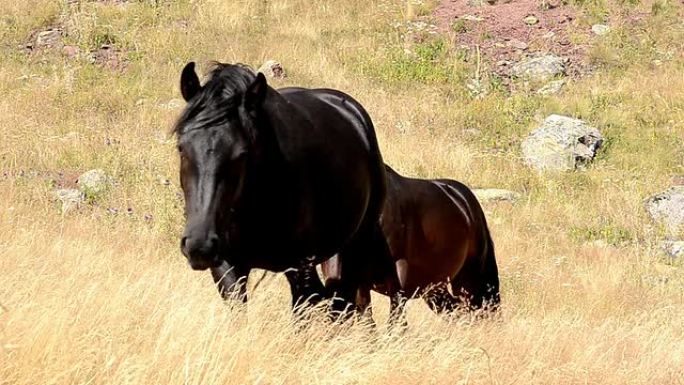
91,297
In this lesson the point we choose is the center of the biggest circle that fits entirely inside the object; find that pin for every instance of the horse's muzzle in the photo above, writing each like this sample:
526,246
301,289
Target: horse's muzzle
202,252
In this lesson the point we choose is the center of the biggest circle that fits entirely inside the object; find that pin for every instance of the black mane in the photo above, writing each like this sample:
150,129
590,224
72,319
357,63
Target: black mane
221,94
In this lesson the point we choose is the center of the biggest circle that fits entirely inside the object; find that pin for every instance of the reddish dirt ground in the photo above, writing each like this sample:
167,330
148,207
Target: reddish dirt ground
503,36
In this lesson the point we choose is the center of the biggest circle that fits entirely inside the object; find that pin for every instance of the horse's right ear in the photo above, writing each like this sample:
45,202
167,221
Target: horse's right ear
189,84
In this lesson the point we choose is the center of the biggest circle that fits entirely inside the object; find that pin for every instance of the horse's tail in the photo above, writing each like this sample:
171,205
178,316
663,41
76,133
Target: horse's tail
476,286
489,288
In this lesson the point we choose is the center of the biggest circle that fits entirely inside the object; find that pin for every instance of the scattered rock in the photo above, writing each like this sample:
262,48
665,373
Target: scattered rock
477,88
496,195
600,29
48,38
540,68
674,249
70,198
70,51
517,44
107,56
668,207
172,104
561,143
531,20
93,183
272,69
552,87
471,18
678,180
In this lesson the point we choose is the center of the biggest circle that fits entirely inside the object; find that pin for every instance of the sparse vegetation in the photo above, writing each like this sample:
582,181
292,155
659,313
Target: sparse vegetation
102,295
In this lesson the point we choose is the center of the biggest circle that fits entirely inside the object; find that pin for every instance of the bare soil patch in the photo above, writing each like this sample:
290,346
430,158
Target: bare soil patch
504,34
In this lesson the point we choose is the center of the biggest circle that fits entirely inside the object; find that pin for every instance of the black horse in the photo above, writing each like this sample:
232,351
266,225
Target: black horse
277,179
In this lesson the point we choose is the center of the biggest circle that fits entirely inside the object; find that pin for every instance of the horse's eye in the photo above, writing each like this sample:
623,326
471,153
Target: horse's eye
179,148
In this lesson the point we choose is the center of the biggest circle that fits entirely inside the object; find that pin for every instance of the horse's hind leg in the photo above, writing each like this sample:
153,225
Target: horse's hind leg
440,300
231,281
363,303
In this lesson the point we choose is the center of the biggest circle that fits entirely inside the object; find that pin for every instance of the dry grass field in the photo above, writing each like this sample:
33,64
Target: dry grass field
102,295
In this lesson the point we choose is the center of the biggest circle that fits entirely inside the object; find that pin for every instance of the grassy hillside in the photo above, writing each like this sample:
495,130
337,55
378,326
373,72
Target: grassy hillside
102,295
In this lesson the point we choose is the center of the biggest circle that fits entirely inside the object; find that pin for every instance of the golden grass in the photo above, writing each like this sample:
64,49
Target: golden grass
94,298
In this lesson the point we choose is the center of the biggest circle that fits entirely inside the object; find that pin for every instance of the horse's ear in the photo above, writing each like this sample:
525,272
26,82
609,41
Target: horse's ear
256,93
189,84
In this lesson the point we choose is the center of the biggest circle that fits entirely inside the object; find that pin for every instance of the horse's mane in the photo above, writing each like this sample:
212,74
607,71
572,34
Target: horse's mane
221,93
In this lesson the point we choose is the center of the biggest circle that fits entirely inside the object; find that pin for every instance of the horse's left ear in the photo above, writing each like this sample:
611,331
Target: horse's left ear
189,84
256,93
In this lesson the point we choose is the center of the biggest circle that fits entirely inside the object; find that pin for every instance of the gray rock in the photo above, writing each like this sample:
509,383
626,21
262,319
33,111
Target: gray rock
69,197
674,249
93,183
540,68
495,194
560,144
600,29
48,38
668,207
552,87
272,69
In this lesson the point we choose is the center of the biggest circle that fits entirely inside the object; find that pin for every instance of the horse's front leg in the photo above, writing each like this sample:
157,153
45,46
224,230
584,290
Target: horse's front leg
231,281
305,286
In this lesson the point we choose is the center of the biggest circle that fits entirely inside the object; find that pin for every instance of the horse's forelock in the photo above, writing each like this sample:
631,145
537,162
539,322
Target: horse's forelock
224,88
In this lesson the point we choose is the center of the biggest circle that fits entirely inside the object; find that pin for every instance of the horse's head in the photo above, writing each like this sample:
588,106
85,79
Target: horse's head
218,140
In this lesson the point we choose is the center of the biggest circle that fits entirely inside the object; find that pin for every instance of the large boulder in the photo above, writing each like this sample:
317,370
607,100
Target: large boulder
560,144
668,207
539,69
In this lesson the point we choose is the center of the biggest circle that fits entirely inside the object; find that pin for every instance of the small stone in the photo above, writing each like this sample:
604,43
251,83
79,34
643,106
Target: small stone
471,18
600,29
517,44
540,68
552,87
549,35
477,88
69,197
496,195
48,38
70,51
674,249
531,20
272,69
668,208
678,180
93,183
172,104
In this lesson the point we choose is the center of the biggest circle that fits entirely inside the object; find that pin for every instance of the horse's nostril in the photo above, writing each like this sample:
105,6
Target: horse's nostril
184,241
213,241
